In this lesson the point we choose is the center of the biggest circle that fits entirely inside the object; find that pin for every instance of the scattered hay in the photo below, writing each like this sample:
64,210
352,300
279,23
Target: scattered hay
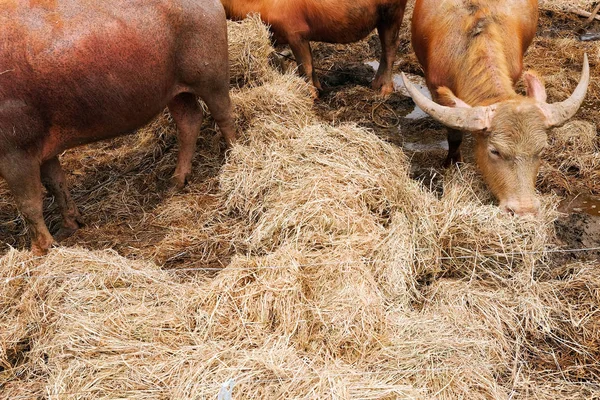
338,275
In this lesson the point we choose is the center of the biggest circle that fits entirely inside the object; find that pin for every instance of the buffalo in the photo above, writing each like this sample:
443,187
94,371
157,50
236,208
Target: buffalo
79,71
299,22
472,55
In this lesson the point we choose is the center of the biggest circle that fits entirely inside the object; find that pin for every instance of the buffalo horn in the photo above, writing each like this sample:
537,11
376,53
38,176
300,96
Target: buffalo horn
464,119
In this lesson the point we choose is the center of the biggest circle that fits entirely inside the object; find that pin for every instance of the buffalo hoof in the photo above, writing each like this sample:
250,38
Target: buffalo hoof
64,232
179,182
40,247
68,228
314,93
387,89
39,251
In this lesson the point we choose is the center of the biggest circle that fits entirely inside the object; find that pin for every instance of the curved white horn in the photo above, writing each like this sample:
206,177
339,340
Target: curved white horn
558,113
464,119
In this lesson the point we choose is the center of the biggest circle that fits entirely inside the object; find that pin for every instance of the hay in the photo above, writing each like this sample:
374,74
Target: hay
338,275
249,52
573,158
564,4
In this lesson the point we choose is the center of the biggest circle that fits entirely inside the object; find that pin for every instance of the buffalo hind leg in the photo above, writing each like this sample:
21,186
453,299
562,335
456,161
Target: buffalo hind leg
304,59
188,115
454,140
22,173
219,104
389,35
53,178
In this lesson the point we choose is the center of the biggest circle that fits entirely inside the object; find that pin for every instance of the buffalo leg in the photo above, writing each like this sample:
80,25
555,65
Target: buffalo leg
188,116
219,104
389,35
22,173
55,181
303,55
454,140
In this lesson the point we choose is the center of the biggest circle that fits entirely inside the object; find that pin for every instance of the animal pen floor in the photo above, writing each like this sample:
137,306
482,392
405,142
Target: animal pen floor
326,256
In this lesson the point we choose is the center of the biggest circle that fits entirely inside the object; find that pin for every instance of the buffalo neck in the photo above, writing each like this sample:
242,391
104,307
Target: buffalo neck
486,71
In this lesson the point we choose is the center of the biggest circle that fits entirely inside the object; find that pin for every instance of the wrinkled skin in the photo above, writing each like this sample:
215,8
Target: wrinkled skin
472,55
298,22
78,71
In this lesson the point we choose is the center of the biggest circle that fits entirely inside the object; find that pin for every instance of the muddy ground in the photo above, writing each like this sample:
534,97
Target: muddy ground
140,173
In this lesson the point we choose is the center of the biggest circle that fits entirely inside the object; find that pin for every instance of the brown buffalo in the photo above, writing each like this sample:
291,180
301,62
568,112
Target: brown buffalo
298,22
472,55
78,71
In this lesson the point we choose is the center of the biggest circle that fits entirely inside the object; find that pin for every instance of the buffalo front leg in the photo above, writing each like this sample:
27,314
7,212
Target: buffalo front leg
454,140
303,55
389,35
22,173
187,114
53,178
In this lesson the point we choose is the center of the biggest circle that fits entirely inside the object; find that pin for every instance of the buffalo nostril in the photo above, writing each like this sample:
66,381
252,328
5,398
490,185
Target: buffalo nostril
521,211
508,210
521,208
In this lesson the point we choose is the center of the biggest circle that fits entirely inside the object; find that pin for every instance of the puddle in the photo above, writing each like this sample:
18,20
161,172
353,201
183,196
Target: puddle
373,64
581,204
419,147
419,83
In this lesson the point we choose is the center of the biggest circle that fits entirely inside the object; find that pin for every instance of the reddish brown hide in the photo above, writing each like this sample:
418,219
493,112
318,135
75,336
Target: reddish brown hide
298,22
472,55
78,71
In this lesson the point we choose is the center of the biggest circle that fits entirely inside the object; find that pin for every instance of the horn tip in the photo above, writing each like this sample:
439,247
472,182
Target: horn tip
407,83
586,65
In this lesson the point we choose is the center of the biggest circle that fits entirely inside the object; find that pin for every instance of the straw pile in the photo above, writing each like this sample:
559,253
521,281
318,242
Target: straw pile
341,278
573,163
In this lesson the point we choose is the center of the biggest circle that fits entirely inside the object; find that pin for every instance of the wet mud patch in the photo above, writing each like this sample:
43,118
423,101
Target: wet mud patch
579,228
581,204
580,232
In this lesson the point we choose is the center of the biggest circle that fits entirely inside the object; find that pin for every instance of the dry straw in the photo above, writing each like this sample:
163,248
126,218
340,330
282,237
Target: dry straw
342,278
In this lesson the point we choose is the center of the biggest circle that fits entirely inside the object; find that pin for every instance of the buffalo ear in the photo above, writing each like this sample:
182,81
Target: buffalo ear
447,98
535,87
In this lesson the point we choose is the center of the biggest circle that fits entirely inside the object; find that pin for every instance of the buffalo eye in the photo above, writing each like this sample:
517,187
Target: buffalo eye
495,152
